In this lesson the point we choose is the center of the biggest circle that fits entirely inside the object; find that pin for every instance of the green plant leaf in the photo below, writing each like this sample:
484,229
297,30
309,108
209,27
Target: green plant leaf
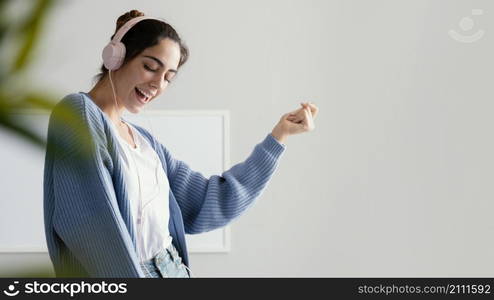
30,31
19,129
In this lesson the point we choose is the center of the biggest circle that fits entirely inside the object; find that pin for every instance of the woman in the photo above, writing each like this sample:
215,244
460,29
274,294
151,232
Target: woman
116,202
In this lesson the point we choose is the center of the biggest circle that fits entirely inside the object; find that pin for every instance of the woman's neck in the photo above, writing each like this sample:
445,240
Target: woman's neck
102,95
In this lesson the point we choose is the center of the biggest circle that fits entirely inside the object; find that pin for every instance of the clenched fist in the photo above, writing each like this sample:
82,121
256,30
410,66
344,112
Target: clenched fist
297,121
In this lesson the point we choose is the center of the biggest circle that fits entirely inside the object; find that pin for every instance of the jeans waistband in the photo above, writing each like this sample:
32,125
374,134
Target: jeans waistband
158,258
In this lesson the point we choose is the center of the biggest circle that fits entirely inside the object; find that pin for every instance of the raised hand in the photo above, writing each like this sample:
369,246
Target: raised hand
297,121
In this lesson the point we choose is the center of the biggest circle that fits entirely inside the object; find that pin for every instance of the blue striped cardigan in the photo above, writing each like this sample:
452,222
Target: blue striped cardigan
88,222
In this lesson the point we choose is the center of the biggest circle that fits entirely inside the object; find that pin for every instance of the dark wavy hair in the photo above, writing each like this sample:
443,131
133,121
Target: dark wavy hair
144,34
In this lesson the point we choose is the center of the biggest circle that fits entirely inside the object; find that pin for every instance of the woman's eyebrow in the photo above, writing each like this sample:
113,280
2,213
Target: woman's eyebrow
160,63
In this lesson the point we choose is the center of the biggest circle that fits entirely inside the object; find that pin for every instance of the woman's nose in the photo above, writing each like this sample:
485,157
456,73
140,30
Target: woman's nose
155,84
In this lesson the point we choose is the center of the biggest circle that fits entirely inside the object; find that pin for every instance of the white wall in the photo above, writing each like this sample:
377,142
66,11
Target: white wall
395,180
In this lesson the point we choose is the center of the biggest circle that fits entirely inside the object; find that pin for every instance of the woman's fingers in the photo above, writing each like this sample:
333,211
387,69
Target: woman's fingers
308,108
313,108
308,112
298,115
306,120
309,119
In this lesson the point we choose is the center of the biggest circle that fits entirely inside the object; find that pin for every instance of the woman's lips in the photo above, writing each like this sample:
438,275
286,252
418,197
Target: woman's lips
142,100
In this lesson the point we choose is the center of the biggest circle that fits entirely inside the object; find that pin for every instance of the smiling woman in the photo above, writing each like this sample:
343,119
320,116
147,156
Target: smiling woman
116,202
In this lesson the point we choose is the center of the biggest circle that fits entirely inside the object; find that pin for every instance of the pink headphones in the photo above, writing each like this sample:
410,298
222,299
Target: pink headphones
114,53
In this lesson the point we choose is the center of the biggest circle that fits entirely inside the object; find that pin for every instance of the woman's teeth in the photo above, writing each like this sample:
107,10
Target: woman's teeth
144,93
142,96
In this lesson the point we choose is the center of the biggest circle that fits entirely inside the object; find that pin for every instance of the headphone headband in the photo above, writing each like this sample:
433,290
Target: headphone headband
127,26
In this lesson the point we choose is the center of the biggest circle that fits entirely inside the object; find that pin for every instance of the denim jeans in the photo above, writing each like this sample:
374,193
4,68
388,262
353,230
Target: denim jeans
166,264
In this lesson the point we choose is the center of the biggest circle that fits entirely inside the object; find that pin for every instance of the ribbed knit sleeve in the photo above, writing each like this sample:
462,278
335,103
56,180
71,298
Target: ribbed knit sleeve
85,212
208,204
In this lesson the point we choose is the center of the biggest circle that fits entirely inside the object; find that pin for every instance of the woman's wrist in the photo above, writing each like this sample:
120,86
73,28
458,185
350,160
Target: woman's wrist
281,138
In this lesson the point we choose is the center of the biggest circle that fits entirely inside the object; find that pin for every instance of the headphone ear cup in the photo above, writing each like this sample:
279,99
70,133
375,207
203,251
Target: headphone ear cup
113,55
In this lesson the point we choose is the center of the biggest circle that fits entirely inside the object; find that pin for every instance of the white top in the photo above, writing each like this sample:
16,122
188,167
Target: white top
149,207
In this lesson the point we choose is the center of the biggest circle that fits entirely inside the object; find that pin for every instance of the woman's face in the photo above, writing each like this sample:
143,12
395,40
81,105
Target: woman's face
146,76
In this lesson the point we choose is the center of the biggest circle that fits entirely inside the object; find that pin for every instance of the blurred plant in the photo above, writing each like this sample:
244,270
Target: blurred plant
24,33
